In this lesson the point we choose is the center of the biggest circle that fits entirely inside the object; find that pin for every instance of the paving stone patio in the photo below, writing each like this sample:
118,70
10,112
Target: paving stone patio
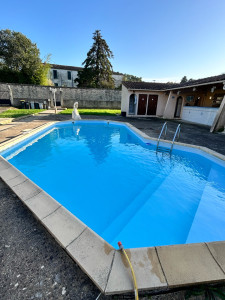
190,133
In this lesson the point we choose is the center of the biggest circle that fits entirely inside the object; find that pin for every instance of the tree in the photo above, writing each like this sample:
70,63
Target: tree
128,77
97,71
184,79
20,59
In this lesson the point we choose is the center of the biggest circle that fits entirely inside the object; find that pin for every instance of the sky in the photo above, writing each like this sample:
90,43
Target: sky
160,40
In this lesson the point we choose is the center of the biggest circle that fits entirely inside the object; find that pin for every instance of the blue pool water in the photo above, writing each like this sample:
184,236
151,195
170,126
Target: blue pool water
115,183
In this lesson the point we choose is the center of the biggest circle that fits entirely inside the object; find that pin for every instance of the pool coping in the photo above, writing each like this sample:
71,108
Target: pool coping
159,268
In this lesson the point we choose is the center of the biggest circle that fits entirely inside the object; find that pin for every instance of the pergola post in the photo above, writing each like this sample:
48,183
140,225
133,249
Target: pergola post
219,121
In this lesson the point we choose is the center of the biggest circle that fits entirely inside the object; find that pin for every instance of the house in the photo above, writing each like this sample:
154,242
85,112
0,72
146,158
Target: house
199,101
62,75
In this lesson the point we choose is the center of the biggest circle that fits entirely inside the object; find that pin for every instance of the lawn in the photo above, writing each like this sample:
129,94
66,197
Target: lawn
15,113
87,111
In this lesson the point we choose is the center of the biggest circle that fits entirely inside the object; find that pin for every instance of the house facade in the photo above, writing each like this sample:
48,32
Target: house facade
199,101
62,75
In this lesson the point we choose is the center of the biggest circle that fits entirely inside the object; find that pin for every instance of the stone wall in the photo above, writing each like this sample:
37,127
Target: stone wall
91,98
66,96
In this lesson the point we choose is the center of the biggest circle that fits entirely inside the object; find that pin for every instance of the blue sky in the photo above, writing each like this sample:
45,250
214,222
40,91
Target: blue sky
160,40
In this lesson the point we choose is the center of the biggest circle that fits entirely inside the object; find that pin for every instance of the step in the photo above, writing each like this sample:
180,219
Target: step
128,213
162,149
165,219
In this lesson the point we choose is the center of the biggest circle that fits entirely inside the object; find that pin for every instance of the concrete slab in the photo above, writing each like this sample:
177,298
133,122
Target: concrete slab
9,173
5,121
19,135
26,189
94,256
218,251
147,270
4,164
64,226
16,180
42,205
189,264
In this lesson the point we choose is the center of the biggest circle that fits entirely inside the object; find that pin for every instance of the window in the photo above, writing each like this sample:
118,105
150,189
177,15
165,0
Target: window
69,75
55,75
56,84
190,98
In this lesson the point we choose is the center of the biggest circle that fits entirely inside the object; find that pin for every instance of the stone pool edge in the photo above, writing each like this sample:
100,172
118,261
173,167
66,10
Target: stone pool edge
159,268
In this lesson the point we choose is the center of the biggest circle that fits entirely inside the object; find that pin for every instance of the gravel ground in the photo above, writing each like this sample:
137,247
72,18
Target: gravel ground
34,266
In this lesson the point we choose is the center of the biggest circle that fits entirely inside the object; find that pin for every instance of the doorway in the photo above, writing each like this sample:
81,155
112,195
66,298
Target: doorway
132,104
152,105
142,102
178,107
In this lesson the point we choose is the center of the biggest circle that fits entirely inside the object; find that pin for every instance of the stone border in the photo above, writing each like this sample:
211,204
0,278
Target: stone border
5,145
158,268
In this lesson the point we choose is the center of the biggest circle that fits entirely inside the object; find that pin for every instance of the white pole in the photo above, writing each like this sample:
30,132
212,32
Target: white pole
54,99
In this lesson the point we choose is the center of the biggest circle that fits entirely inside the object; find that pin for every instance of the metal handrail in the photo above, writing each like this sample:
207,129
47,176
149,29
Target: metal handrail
164,127
177,132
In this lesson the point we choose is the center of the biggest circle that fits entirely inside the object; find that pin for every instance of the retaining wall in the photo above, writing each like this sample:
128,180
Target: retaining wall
87,98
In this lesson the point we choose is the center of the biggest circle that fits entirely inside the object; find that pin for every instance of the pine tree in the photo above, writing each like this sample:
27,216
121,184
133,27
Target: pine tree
97,71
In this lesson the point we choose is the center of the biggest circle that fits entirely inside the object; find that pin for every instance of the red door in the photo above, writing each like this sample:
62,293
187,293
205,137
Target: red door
142,102
152,104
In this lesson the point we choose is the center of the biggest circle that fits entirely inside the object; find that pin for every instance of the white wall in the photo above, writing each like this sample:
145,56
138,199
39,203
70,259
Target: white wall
63,80
170,106
162,98
125,99
161,103
200,115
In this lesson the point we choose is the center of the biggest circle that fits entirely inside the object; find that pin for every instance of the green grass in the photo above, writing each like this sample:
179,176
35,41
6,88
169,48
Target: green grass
98,112
16,113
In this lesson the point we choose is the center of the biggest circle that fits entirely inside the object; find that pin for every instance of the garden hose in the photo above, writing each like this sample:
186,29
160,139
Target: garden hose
132,271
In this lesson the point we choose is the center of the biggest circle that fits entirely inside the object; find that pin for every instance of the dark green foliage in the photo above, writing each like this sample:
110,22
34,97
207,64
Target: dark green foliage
184,79
128,77
19,59
97,72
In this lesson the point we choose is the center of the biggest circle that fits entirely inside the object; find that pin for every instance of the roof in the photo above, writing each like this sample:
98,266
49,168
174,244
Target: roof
211,79
72,68
62,67
158,86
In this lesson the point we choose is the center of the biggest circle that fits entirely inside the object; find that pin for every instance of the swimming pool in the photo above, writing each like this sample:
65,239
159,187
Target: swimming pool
116,183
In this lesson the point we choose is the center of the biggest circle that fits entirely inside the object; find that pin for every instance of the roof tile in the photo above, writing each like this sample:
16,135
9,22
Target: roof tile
158,86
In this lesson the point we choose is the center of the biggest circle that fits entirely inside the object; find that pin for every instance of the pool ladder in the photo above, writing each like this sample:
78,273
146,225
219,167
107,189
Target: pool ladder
164,130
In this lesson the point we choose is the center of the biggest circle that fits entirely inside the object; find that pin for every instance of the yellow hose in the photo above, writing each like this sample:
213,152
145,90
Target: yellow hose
132,271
